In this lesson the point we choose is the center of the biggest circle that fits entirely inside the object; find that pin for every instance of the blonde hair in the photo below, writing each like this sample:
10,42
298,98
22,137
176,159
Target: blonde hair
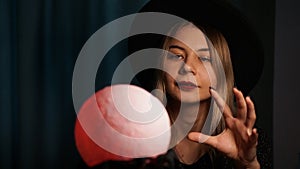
217,43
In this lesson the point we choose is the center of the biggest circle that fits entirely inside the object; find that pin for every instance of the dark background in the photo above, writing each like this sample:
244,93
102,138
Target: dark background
41,39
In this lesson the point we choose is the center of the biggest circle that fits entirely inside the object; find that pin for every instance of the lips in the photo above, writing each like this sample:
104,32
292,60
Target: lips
185,85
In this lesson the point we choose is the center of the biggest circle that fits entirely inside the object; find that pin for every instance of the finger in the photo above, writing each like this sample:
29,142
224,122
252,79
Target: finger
247,135
254,136
242,131
251,116
202,138
221,104
230,122
241,105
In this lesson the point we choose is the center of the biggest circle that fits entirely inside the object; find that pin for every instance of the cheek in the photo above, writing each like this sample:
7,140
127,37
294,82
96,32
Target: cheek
209,76
213,79
171,69
169,81
171,87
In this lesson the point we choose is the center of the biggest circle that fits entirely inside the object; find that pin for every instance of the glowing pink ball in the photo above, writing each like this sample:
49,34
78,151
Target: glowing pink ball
121,122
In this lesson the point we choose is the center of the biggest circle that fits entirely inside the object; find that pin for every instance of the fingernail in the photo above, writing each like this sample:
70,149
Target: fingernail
211,88
249,132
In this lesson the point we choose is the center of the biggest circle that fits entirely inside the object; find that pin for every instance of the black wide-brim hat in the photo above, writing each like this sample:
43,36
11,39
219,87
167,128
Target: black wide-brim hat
245,47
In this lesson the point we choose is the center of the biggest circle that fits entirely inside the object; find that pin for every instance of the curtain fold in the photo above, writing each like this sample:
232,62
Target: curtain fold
9,120
39,44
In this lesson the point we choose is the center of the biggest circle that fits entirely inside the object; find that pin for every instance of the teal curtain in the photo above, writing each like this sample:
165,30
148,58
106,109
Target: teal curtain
39,43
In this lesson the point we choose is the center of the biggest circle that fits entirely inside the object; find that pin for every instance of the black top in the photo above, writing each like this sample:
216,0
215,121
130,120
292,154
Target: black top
170,160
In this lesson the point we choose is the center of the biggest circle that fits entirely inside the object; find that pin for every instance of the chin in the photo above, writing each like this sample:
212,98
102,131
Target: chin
192,97
193,101
187,97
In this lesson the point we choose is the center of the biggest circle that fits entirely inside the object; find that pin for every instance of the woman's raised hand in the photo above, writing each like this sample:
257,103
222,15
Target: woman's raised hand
239,139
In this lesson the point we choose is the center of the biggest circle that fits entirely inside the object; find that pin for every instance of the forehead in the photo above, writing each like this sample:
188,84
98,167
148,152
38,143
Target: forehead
191,36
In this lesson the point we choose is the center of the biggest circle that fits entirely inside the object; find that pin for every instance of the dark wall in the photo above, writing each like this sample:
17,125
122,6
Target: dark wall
262,16
286,85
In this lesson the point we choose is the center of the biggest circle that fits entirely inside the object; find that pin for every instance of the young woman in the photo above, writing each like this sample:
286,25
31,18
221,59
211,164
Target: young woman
195,65
214,122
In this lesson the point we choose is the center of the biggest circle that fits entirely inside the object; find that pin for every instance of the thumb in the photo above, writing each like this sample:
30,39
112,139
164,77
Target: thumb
202,138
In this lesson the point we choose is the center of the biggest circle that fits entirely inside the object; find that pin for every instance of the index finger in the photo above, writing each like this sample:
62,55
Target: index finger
221,104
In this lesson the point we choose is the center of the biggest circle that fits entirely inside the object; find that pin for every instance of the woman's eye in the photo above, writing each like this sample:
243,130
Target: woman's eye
205,58
179,56
175,56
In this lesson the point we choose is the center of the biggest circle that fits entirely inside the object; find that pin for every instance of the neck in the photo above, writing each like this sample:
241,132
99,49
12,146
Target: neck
192,114
189,152
190,117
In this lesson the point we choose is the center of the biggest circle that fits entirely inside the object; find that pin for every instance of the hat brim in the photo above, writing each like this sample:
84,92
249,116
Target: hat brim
245,47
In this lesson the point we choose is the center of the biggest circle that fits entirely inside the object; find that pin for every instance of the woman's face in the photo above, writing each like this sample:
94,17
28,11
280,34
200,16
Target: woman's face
189,68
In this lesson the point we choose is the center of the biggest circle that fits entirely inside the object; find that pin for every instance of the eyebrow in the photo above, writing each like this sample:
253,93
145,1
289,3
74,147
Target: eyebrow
181,48
176,46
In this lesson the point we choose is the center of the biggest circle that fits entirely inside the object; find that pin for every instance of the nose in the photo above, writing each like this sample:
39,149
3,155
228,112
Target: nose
188,66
